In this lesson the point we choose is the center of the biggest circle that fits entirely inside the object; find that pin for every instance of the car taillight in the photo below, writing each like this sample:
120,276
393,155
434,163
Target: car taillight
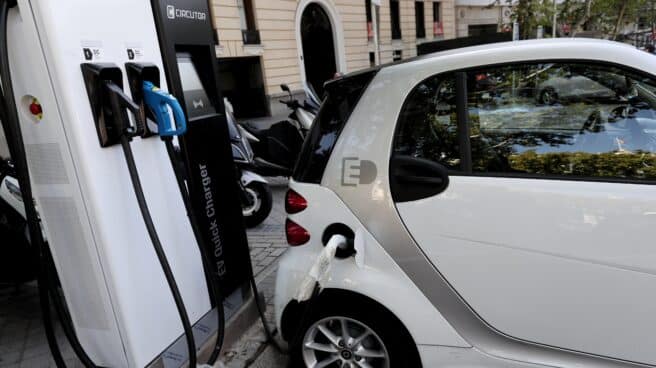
294,202
296,234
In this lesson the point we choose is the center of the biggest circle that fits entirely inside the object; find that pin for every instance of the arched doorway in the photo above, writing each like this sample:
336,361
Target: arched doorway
318,46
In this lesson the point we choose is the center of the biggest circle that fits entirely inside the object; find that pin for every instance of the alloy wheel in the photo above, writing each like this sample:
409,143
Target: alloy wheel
343,342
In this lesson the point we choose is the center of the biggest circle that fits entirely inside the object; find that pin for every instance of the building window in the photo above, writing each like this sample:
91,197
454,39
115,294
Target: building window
397,55
438,30
370,24
428,127
372,59
249,32
396,19
419,19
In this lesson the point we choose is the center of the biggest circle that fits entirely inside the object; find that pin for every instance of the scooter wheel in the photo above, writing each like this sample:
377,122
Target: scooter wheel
261,199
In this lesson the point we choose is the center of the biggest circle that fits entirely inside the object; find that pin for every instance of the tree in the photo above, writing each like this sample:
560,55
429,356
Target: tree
604,16
530,14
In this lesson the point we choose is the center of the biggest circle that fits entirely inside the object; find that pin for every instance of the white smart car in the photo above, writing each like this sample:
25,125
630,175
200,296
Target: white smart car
494,230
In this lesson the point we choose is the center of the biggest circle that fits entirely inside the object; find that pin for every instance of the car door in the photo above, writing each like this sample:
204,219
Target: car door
542,218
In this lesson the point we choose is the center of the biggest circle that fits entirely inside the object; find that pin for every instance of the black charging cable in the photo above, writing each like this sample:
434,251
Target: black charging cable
212,279
261,311
174,156
119,102
157,245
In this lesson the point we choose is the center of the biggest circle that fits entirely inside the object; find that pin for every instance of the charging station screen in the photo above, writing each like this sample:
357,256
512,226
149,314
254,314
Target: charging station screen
196,100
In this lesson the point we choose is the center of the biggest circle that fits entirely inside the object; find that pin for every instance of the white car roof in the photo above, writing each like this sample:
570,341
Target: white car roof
546,49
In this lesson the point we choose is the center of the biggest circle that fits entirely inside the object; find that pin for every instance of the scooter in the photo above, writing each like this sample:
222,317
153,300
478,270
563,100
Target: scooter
278,146
256,197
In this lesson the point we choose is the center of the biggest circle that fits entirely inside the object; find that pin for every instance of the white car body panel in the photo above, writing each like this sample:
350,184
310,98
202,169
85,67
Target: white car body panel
453,357
380,279
541,257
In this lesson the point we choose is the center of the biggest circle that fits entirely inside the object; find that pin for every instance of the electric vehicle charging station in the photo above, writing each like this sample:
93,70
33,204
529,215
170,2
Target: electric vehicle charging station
66,55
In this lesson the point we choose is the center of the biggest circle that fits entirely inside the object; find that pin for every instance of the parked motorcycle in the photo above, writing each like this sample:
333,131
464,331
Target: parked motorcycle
256,197
278,146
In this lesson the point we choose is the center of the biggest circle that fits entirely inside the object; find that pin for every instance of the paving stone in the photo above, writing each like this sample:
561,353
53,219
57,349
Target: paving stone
10,358
278,252
36,351
257,269
260,256
269,260
43,361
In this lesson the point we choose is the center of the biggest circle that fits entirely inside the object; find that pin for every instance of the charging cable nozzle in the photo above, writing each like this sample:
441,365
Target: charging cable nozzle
159,102
319,270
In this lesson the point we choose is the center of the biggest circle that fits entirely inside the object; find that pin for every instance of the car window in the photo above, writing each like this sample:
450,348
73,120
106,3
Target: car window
427,123
562,120
541,119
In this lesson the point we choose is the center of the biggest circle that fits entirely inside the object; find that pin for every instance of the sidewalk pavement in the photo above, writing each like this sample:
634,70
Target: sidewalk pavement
267,243
22,338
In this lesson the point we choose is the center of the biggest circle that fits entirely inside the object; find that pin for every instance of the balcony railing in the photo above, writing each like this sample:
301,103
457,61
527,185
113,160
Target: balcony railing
250,37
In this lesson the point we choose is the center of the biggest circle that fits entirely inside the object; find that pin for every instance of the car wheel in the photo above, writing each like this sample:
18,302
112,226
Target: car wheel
351,338
548,96
260,205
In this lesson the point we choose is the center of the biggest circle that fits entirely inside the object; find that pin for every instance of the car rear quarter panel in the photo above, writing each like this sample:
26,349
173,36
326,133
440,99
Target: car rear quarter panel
380,278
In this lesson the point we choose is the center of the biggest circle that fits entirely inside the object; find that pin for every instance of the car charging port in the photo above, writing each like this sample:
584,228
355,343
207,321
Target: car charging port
343,251
138,73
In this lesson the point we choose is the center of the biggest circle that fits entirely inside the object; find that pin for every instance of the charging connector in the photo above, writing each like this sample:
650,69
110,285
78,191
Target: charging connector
319,270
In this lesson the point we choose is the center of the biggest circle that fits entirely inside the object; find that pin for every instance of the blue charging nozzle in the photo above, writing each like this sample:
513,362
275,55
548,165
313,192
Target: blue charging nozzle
158,102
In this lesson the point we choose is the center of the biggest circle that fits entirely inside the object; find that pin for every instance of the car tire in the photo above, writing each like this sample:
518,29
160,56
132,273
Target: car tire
387,336
263,202
548,96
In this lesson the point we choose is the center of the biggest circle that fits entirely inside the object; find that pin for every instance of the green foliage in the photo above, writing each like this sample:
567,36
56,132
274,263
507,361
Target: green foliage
638,165
605,16
530,14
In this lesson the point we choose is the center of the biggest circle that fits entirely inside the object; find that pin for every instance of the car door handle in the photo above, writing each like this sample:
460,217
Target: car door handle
413,178
429,180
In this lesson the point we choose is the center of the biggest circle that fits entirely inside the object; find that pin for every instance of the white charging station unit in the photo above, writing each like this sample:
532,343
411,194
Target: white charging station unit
120,304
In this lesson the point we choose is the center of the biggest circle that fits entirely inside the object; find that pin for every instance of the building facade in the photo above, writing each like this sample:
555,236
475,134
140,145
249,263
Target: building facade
264,43
478,17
